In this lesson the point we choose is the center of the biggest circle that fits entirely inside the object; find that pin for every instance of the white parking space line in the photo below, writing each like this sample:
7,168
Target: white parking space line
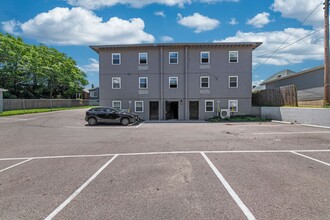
8,120
160,153
15,165
311,158
230,190
68,200
292,132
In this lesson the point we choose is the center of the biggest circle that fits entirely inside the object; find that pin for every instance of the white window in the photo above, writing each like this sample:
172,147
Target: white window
233,81
205,57
116,82
116,59
116,104
233,56
94,94
143,82
205,82
138,106
209,105
143,58
173,82
233,105
173,57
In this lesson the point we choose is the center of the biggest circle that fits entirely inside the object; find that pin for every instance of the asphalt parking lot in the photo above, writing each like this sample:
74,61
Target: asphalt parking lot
52,165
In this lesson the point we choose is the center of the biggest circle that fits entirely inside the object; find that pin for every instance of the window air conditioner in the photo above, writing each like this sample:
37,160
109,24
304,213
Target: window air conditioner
225,113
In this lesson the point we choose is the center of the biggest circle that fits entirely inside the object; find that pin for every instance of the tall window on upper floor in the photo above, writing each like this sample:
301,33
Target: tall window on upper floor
173,57
143,58
233,56
204,82
205,57
116,59
233,81
233,105
173,82
143,82
116,82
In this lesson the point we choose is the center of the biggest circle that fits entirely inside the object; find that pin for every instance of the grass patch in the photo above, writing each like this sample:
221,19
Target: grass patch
31,111
238,118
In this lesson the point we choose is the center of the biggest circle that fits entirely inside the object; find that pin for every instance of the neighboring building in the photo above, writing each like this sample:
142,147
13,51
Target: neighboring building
94,93
309,84
1,99
177,81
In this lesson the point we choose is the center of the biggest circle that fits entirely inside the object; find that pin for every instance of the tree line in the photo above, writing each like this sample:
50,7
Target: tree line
37,71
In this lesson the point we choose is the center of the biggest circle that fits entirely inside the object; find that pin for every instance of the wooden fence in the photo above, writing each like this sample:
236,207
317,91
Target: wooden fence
16,104
283,96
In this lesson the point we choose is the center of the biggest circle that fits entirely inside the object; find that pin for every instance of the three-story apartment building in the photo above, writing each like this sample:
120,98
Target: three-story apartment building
185,81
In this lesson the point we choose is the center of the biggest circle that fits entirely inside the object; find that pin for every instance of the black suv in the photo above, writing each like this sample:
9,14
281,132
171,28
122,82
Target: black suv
109,115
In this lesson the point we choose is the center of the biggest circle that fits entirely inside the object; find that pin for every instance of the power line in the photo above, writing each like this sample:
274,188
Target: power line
311,12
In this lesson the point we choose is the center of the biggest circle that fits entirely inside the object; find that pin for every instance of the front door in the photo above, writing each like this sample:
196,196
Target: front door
193,110
153,111
172,110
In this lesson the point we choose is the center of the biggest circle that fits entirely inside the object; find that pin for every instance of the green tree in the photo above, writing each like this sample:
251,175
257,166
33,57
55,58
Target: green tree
30,71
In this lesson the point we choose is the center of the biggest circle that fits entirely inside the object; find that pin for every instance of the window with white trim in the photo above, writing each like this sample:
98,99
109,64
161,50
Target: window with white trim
233,81
138,106
205,57
116,59
209,105
143,82
116,83
116,104
233,56
173,57
204,82
233,105
173,82
143,58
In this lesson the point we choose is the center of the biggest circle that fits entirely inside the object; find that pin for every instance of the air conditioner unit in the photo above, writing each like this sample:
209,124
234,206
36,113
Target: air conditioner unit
225,113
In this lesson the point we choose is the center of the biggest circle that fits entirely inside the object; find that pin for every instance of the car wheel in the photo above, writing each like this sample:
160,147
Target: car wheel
92,121
124,121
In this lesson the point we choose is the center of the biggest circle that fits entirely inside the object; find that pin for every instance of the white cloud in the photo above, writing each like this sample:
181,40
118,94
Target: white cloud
93,66
299,10
260,20
160,13
77,26
257,82
233,21
10,26
96,4
199,22
166,39
310,48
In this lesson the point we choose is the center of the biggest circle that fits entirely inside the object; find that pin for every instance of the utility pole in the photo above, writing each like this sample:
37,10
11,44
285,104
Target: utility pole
326,53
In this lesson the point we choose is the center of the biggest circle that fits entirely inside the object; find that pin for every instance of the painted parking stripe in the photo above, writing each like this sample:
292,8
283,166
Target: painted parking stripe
15,165
68,200
311,158
292,132
230,190
160,153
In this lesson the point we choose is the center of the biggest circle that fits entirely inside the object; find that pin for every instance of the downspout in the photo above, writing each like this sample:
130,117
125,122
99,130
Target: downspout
161,75
186,84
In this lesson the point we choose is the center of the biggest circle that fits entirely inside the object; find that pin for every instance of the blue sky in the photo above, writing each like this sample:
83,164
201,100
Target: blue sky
292,27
